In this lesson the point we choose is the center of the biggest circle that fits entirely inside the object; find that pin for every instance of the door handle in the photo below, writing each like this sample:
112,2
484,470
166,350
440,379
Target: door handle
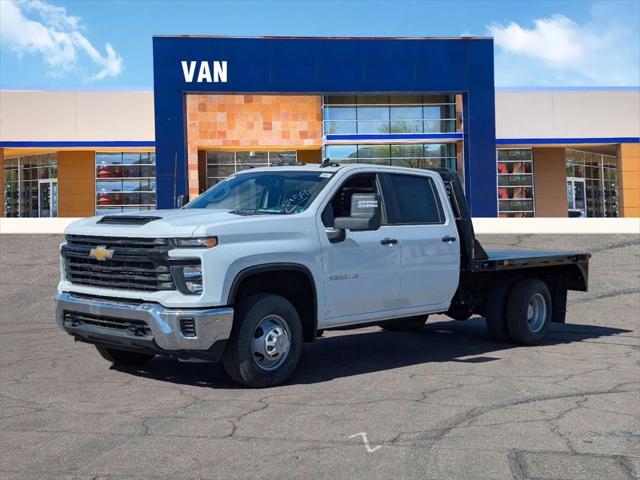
388,241
448,239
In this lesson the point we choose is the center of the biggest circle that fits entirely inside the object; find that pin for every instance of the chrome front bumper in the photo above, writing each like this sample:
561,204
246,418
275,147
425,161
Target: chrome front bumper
212,325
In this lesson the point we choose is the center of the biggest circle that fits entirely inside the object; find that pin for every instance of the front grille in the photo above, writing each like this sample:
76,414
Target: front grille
139,328
135,264
123,242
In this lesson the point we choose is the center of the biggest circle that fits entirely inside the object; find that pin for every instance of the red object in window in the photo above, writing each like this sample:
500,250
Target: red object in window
502,193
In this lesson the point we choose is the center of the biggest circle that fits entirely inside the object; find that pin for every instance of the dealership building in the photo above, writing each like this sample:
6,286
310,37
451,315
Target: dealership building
221,105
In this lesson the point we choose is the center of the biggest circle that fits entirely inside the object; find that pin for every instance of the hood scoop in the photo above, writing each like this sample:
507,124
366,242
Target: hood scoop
127,219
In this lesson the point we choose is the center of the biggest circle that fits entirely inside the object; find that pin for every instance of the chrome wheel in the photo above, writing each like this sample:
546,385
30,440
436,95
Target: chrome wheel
271,342
537,312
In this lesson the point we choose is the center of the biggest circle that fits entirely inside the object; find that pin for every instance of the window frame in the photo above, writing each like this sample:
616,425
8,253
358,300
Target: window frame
27,171
147,159
357,124
381,192
508,212
240,165
395,205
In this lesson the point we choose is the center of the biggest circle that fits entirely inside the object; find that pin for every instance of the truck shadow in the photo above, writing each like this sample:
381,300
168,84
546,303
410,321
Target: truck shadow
355,352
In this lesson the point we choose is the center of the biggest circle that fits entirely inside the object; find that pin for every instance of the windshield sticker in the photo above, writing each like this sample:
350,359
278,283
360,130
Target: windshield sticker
294,200
325,175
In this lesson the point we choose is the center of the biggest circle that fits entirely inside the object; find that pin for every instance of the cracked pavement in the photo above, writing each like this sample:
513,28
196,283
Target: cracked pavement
444,403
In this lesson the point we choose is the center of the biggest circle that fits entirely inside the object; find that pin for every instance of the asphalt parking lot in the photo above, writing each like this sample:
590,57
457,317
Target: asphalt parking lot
443,403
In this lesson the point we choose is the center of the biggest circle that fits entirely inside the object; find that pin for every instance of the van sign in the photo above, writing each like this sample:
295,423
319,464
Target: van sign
207,72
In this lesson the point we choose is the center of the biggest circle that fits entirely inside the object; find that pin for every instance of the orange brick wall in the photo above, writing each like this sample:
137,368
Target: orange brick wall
629,179
250,122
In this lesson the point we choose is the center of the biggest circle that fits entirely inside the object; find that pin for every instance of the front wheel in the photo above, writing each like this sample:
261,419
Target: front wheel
123,357
265,343
411,324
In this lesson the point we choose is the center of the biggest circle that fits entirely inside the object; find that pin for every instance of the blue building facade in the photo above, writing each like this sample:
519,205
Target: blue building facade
336,69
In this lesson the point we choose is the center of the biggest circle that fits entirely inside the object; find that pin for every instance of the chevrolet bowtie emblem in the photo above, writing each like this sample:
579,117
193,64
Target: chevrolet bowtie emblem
101,253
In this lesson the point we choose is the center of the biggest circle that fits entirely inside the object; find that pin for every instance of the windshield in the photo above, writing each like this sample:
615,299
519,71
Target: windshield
264,192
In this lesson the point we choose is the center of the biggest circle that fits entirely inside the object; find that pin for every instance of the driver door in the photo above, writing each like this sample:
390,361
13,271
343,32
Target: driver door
361,272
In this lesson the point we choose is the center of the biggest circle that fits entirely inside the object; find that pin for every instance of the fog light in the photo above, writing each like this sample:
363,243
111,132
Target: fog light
188,327
193,278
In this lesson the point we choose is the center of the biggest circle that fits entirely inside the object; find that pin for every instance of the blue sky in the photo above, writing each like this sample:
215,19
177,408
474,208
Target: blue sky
106,45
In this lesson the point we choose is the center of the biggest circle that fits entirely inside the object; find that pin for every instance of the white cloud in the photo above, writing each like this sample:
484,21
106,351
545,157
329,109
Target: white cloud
40,28
558,51
555,40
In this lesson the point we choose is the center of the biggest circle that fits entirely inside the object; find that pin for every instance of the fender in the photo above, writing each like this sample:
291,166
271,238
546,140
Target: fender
276,267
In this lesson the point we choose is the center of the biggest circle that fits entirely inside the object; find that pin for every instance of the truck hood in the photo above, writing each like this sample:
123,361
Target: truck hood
171,223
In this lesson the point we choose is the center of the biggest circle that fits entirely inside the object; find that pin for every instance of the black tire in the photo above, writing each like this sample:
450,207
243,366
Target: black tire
239,360
496,314
123,357
410,324
529,311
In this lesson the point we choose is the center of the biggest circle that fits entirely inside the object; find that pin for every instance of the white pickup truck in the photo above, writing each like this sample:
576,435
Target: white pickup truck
269,257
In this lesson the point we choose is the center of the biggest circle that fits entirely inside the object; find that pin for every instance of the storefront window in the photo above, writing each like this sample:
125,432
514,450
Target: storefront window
431,155
30,186
376,114
515,183
592,184
125,181
221,164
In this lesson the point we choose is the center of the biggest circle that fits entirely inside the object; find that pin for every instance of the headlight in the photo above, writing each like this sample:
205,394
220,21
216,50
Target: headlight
204,242
189,279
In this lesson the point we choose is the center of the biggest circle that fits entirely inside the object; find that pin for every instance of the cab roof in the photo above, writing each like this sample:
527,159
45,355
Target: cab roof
331,168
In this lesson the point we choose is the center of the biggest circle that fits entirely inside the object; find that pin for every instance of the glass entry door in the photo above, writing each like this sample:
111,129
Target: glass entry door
576,199
47,198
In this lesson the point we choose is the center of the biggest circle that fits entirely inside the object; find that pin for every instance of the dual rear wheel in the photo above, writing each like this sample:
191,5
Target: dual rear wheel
519,311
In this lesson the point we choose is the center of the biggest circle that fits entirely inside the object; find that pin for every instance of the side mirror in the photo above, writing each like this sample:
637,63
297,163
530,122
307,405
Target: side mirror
335,235
365,213
182,200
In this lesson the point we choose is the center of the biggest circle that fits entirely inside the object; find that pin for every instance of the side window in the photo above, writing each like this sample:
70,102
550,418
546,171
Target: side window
416,200
340,204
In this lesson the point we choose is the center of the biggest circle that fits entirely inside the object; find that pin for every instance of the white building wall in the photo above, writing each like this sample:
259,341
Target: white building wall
128,116
568,114
76,116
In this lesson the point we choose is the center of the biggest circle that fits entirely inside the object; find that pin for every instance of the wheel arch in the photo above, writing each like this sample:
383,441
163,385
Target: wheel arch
246,282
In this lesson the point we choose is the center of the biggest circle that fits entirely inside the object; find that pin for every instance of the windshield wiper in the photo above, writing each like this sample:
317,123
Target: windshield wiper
257,211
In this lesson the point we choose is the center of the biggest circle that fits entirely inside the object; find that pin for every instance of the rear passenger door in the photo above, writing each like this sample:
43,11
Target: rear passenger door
427,239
